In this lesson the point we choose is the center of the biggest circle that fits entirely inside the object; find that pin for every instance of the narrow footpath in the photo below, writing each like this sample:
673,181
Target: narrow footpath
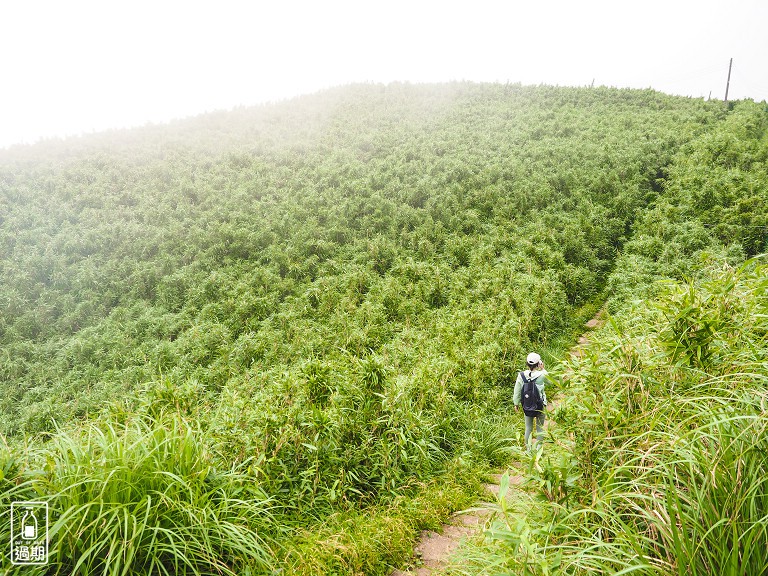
433,549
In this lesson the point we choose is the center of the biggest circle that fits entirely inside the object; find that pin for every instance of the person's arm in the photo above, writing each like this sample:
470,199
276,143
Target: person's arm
544,381
518,391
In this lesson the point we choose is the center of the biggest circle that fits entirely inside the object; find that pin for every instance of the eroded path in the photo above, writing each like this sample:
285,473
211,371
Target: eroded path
433,549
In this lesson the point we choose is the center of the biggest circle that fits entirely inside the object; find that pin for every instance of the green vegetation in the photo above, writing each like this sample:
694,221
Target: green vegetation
658,464
659,460
272,337
714,207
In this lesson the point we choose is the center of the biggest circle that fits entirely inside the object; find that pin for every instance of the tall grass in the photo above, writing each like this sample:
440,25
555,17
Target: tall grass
667,422
177,486
145,498
690,499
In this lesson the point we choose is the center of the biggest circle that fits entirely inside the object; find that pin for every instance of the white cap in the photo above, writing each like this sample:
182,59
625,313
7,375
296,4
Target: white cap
533,359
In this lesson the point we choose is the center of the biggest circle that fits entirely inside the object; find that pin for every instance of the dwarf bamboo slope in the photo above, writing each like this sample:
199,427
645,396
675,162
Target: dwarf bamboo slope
283,337
657,463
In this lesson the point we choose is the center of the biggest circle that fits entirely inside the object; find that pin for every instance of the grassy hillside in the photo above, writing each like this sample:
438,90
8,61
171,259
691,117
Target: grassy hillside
245,243
714,207
657,463
309,312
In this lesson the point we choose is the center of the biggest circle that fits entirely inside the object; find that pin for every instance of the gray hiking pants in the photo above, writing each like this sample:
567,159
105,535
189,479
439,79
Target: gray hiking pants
529,428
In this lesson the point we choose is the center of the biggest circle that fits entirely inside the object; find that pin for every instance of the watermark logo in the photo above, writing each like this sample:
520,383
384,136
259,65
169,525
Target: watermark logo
29,533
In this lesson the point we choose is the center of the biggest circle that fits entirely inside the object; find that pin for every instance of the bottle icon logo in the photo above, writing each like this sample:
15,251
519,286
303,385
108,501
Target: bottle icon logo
29,525
29,533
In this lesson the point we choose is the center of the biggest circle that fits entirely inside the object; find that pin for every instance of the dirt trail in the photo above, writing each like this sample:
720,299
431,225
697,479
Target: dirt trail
433,549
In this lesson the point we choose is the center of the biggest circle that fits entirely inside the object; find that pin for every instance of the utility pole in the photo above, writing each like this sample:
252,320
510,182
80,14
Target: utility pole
728,84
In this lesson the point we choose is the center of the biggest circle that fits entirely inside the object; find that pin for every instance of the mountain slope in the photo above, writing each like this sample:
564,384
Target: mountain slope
316,307
189,249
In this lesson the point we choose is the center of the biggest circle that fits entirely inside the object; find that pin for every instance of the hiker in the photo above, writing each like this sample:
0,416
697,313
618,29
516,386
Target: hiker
529,393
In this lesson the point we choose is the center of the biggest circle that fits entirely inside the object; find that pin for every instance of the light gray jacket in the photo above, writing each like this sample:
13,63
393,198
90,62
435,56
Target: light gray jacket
541,379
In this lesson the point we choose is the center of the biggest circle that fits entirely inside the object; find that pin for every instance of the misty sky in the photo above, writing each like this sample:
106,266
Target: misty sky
74,66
